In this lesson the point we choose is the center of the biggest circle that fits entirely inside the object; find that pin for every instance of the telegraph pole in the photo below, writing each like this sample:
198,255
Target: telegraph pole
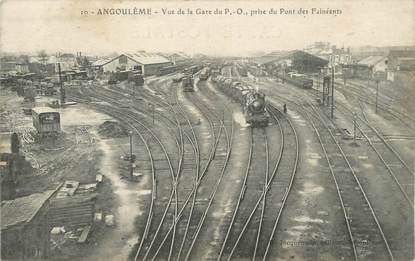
62,90
131,154
377,92
152,111
354,126
332,91
344,76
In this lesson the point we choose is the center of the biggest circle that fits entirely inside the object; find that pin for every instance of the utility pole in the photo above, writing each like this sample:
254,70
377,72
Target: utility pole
131,154
377,92
324,91
354,126
152,111
368,76
344,75
332,92
62,90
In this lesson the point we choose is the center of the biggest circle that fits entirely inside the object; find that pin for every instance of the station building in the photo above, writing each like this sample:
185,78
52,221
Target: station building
147,63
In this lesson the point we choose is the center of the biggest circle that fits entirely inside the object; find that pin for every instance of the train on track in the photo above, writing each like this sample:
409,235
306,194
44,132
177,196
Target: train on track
299,80
252,101
170,69
194,69
204,74
242,71
136,78
131,76
188,83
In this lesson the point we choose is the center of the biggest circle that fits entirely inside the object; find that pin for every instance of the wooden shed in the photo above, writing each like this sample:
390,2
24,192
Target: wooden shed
25,228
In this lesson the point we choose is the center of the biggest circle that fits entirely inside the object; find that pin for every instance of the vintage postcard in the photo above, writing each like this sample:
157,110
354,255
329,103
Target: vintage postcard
207,130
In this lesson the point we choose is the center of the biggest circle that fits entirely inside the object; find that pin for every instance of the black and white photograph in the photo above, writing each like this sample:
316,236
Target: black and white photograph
207,130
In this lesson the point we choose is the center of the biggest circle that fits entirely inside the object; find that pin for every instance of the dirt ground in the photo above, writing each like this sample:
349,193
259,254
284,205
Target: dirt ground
79,153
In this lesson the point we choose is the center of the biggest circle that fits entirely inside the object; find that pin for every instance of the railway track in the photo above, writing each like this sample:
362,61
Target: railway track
343,174
401,209
188,219
255,218
365,232
400,171
259,216
156,219
384,105
220,152
189,214
389,221
211,196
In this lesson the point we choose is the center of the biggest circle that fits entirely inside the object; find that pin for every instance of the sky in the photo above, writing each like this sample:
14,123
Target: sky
62,26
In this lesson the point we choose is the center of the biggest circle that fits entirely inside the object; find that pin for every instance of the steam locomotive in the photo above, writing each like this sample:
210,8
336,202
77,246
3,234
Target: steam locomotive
252,101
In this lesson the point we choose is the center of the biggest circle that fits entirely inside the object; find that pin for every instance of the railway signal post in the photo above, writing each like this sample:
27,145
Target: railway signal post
354,127
377,93
152,111
332,92
62,90
131,154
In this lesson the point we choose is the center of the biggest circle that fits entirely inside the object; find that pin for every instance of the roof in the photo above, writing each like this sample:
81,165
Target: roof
371,60
67,55
43,110
147,58
104,61
139,57
402,53
23,209
274,56
277,56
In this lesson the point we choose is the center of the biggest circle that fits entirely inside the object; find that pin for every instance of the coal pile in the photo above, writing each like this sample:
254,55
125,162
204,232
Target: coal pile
112,129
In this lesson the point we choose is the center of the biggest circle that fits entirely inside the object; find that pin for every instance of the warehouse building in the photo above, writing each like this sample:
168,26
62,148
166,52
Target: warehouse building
371,66
147,63
400,60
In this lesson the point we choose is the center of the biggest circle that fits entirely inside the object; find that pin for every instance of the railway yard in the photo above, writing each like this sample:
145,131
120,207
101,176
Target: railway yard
214,161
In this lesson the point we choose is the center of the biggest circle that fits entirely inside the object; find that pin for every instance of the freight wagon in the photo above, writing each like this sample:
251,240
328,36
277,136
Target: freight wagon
46,121
299,80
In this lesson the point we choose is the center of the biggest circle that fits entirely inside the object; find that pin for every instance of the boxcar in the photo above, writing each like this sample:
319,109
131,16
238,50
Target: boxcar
46,121
187,84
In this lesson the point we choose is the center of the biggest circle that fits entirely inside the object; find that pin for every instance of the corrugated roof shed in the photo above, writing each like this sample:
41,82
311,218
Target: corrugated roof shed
147,58
371,60
275,56
23,209
139,57
103,61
